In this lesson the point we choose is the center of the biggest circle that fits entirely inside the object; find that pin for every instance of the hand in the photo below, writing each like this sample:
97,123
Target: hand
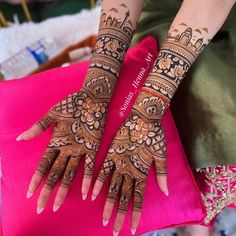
79,121
137,144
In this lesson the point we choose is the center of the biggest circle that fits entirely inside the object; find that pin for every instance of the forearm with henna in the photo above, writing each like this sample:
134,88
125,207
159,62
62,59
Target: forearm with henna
117,25
192,29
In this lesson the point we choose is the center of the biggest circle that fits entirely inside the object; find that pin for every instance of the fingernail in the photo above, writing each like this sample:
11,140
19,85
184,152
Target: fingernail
166,193
39,210
93,197
55,207
29,194
133,231
84,195
19,138
115,233
105,222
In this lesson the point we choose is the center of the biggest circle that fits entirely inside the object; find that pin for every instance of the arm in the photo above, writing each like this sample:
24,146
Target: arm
192,29
117,24
141,138
79,118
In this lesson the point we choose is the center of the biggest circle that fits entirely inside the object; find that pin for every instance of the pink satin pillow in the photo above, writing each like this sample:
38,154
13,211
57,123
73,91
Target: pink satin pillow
26,100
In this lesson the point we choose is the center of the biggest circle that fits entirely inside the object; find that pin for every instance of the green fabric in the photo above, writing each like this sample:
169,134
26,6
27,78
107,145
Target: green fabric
204,107
43,10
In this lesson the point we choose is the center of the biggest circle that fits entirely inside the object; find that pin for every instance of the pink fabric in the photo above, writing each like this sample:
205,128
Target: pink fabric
26,100
218,187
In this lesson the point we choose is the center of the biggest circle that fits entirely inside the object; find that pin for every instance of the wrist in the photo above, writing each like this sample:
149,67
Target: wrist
100,83
150,106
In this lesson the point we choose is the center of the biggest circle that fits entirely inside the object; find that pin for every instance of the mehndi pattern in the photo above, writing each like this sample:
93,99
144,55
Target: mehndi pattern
138,143
79,118
179,51
141,139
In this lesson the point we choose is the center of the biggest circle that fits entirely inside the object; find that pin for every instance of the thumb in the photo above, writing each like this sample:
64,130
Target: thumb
35,129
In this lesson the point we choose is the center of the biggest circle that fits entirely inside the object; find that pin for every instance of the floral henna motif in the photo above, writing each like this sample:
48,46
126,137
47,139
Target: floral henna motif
178,53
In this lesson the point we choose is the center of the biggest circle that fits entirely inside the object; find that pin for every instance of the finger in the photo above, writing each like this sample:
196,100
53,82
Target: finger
60,197
88,173
34,183
161,174
44,165
113,191
45,122
160,163
70,171
36,128
68,176
163,184
107,167
57,170
33,131
43,198
126,191
89,165
52,178
139,188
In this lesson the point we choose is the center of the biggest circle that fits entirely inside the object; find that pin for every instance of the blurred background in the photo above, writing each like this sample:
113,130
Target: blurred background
37,35
42,9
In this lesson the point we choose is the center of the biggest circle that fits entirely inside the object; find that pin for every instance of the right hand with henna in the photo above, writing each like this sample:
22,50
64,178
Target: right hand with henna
79,122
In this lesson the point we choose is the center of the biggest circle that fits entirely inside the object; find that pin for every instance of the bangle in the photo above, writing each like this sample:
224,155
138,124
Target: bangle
157,95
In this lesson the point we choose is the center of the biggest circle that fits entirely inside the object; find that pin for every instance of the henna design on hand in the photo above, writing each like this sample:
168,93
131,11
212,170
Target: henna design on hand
141,139
79,122
79,119
138,143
